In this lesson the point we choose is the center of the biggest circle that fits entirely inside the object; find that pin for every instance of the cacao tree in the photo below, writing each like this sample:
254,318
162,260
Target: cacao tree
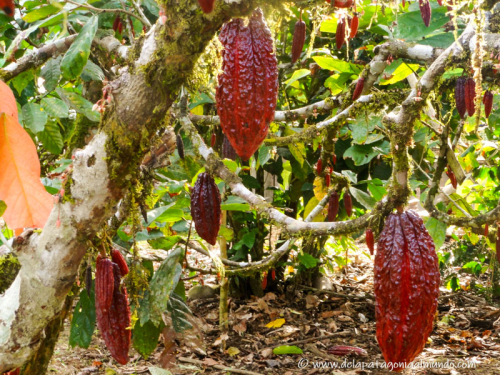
209,126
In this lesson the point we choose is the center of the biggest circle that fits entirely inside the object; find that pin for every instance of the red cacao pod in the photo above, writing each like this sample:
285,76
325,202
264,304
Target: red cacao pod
213,139
358,89
488,103
248,86
451,176
333,207
460,96
8,7
425,11
342,350
370,242
273,274
327,180
114,323
340,33
17,371
205,208
334,159
116,23
353,25
406,283
319,166
104,282
118,258
206,5
470,94
486,229
299,37
88,280
180,146
264,281
348,203
228,151
341,3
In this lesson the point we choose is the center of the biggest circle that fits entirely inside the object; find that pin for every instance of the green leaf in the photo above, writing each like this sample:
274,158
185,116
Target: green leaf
40,13
234,203
378,191
180,313
365,199
298,151
307,260
83,322
437,230
298,74
3,207
264,154
34,117
411,27
287,349
145,338
22,81
363,154
226,232
164,243
79,104
55,107
51,138
51,72
401,72
170,216
92,72
329,63
77,55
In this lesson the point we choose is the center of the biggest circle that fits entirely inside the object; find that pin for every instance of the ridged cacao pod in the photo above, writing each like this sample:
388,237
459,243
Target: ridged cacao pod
460,96
425,11
88,280
358,89
205,208
353,25
248,86
406,283
118,258
342,350
116,23
470,94
348,203
180,146
498,244
8,7
113,323
319,166
299,37
228,151
370,242
340,33
327,180
341,3
453,179
488,103
333,207
206,5
104,282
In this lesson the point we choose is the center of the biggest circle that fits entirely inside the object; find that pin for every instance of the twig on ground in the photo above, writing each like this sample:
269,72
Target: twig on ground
218,367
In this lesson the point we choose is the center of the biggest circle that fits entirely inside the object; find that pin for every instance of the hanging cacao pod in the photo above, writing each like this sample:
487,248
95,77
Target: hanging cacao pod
327,180
88,280
341,3
348,203
319,166
406,283
470,94
273,274
114,323
116,23
370,242
264,281
333,207
340,33
180,146
104,282
453,179
342,350
299,38
8,7
334,159
205,208
488,103
228,151
358,89
248,86
118,258
353,26
486,230
460,97
206,5
213,139
425,11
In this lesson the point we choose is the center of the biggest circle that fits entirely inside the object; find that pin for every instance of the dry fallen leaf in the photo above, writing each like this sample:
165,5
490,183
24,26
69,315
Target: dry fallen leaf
311,301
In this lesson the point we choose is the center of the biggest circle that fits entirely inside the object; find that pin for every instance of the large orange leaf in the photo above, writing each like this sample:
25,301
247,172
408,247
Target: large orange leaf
7,100
28,203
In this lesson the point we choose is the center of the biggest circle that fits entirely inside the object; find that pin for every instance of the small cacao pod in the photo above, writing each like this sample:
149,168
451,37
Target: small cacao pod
264,281
327,180
340,33
213,139
334,159
333,207
118,258
206,5
342,350
299,37
348,203
353,26
319,166
488,103
460,96
470,94
486,229
116,23
358,89
228,151
425,11
104,282
205,208
273,274
88,280
370,242
8,7
248,85
180,146
114,323
406,285
451,176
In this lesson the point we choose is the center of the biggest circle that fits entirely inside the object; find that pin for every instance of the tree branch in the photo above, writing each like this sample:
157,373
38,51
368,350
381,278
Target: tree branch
102,10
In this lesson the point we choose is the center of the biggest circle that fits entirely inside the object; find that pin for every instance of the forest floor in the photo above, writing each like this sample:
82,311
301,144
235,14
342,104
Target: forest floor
466,333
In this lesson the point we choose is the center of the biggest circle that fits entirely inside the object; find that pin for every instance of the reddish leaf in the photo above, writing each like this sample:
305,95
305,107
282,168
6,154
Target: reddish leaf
28,203
8,102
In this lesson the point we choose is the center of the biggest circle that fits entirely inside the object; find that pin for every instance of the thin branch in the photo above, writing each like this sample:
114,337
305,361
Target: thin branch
101,10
